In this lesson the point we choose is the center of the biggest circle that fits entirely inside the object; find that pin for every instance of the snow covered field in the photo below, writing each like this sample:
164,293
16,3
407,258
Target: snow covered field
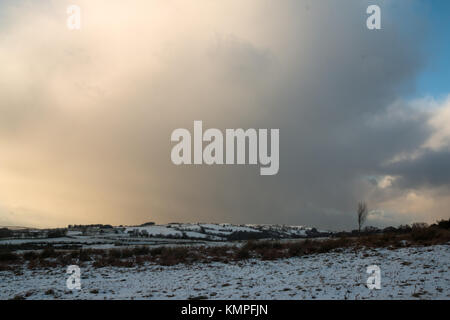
406,273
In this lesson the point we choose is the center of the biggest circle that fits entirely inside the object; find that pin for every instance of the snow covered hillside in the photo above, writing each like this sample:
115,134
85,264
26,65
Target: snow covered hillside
102,237
223,231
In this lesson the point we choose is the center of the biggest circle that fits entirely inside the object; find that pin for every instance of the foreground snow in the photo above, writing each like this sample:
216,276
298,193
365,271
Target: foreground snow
407,273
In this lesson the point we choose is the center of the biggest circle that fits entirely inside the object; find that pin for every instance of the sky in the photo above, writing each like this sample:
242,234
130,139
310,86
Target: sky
434,80
87,115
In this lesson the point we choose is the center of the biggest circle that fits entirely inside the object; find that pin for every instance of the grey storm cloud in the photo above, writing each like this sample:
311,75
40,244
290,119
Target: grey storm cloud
429,169
97,109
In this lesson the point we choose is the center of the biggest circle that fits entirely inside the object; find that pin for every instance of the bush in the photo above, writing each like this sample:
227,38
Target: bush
126,253
66,260
243,253
50,292
219,251
121,253
296,249
8,256
178,252
419,225
84,255
112,262
156,251
30,255
272,254
420,232
56,233
444,224
253,245
115,253
140,251
47,253
5,233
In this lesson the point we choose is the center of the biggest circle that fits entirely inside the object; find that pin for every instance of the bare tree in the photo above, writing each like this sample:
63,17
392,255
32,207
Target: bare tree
362,214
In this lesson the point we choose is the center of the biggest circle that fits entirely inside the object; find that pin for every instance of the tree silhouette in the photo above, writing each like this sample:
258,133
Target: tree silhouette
362,214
